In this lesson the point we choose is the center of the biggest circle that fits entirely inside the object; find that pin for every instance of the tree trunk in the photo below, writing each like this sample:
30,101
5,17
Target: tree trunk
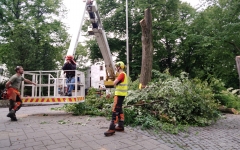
238,67
147,48
228,110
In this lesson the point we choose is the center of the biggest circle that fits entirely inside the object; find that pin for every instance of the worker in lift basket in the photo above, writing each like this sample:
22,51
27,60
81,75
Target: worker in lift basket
120,93
70,75
13,94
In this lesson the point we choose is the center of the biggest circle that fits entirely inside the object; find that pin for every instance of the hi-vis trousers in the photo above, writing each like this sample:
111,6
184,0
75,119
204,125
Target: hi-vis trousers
14,99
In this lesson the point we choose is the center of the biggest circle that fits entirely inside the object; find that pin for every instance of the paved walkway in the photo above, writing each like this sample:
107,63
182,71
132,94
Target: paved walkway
40,128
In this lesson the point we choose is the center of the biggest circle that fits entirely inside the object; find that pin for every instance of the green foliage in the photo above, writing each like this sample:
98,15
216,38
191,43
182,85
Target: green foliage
168,103
32,35
229,98
93,105
81,57
178,100
113,17
217,85
133,85
202,43
210,45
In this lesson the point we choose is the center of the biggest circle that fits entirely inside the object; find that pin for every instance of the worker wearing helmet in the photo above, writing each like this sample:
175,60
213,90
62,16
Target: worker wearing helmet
120,93
70,75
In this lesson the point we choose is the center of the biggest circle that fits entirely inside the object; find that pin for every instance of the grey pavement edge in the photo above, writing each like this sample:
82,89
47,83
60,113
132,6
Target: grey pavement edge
40,128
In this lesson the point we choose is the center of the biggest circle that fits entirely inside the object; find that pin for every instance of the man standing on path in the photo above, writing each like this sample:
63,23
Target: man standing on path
13,94
70,75
120,93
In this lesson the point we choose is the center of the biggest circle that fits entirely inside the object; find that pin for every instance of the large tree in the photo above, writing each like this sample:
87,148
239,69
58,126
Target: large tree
31,33
212,43
169,25
202,43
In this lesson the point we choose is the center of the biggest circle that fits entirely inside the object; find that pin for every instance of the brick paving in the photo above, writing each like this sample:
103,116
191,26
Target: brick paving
40,128
222,135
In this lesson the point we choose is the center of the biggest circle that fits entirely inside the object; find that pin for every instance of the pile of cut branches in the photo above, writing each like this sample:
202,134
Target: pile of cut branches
168,103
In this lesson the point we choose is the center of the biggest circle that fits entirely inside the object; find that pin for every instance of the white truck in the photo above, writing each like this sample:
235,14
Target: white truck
51,84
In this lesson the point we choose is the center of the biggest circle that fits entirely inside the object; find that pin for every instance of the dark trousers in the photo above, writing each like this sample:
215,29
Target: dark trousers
15,105
117,111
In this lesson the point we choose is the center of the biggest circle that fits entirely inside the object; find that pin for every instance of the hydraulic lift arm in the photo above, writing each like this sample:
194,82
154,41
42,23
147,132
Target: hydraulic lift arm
75,37
98,31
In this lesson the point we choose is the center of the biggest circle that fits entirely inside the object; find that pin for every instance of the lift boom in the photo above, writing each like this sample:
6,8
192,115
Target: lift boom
98,31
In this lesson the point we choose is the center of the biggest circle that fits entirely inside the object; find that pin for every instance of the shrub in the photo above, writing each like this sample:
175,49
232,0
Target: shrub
177,100
227,97
168,103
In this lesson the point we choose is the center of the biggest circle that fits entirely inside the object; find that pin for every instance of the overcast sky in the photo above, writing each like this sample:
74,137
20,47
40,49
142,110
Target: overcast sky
75,13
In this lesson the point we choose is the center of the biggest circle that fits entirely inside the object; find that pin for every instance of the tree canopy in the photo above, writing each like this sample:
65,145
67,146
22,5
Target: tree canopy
203,43
31,34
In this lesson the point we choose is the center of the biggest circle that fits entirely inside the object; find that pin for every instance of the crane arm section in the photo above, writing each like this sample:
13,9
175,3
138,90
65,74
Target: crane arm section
75,37
98,31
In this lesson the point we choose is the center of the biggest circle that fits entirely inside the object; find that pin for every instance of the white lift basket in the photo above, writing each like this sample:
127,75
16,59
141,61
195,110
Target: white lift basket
51,88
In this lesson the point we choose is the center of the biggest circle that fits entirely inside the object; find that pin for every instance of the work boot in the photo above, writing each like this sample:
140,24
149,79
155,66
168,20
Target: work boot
111,130
11,113
14,118
120,126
